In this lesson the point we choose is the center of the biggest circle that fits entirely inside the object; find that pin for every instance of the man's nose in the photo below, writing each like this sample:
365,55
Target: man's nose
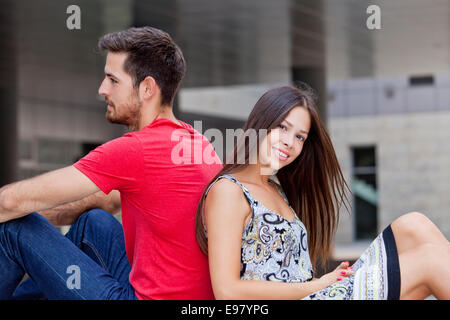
102,90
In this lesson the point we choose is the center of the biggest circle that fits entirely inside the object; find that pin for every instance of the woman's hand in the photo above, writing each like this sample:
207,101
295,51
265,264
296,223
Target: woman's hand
342,271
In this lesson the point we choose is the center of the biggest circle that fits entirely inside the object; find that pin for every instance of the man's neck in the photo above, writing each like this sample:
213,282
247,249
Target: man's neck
166,113
163,112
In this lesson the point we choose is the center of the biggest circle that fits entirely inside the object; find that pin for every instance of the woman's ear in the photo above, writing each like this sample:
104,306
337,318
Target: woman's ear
147,88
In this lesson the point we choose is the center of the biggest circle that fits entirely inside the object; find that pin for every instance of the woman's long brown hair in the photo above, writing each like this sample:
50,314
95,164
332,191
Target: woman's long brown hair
313,182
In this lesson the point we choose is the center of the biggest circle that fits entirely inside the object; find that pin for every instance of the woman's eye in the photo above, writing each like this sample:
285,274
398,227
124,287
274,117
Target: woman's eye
112,80
301,138
281,127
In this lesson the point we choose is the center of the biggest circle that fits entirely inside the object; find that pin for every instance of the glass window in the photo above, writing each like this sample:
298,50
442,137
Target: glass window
364,188
53,151
25,149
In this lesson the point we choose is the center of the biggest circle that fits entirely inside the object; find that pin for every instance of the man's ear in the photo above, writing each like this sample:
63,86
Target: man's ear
148,88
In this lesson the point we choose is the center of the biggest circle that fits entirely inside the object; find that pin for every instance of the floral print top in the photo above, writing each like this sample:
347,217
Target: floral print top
276,249
273,248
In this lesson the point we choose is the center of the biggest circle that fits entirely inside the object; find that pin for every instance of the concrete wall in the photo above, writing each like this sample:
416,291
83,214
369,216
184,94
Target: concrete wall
371,102
414,39
411,133
58,75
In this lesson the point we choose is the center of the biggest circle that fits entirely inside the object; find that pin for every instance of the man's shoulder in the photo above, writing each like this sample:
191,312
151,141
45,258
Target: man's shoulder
128,142
163,126
165,131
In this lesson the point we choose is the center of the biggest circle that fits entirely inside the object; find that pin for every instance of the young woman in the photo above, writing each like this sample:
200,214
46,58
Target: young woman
265,222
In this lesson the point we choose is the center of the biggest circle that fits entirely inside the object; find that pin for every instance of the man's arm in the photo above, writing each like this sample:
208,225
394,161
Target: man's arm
45,191
68,213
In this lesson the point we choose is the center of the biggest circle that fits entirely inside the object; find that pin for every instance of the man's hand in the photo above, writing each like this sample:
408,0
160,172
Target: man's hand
45,191
68,213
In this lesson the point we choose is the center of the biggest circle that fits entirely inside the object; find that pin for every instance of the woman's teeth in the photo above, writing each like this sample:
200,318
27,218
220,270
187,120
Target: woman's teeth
284,155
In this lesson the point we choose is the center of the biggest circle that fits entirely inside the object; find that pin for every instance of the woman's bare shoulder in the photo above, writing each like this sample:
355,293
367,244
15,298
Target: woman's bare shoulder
225,193
224,188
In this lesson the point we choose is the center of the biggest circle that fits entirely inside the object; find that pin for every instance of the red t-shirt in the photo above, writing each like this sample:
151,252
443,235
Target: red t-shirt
161,172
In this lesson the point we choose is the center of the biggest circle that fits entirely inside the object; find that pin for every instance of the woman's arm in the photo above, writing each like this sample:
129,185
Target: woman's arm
226,209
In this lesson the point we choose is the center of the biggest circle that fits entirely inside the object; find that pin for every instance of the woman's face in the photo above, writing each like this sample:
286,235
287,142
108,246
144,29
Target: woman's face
285,143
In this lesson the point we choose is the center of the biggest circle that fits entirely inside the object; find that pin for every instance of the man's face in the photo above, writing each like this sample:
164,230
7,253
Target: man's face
117,88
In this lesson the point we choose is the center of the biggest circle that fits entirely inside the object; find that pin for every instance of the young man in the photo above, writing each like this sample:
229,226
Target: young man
158,196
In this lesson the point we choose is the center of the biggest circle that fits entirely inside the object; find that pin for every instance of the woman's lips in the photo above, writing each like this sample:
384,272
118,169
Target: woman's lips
281,154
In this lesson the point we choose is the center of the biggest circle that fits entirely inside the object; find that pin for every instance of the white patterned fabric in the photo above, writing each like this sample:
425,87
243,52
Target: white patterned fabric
369,281
275,249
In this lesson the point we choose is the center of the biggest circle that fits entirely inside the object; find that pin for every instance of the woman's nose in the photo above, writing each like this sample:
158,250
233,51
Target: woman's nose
287,140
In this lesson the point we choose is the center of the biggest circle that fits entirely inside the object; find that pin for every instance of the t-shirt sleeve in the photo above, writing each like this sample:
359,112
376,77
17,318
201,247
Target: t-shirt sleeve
115,165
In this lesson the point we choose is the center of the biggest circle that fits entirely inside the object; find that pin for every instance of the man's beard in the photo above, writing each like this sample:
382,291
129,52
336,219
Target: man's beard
128,114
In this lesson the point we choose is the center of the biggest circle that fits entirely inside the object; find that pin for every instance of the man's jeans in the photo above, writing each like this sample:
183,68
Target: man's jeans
88,263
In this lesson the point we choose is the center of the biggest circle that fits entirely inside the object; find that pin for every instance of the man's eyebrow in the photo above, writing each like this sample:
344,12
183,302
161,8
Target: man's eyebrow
111,75
290,125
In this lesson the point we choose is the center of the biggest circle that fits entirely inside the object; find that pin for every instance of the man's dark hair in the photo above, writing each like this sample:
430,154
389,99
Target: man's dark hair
151,52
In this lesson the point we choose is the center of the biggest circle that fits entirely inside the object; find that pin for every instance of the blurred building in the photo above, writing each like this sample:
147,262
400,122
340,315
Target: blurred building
384,94
389,113
56,75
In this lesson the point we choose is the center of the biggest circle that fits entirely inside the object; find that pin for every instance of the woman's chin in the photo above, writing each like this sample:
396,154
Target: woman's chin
269,170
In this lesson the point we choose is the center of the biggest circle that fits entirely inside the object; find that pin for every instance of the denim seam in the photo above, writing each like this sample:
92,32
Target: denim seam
97,254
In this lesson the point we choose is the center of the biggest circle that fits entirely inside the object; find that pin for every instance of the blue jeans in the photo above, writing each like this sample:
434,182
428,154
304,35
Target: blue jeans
88,263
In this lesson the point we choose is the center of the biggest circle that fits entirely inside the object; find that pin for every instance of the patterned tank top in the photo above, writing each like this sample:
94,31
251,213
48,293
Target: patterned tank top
272,247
